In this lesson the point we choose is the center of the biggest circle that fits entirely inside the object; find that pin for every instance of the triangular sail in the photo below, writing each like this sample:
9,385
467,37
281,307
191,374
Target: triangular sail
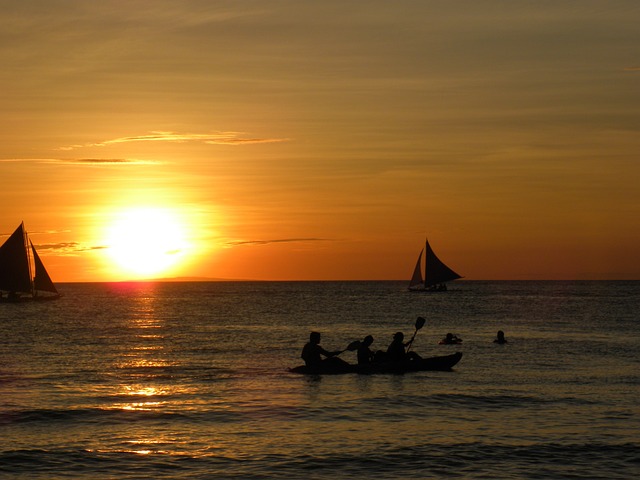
436,272
416,279
14,264
42,281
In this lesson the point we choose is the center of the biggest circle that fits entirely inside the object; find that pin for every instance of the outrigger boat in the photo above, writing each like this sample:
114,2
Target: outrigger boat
22,273
436,273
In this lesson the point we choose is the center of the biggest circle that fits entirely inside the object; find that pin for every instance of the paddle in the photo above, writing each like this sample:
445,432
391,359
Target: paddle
351,347
420,321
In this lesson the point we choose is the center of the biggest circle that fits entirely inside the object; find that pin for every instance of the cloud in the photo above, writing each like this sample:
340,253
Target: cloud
632,69
67,248
218,138
28,160
108,161
280,240
82,161
60,248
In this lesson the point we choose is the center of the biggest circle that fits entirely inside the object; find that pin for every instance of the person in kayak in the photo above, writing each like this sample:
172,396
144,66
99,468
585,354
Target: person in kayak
365,355
396,351
312,353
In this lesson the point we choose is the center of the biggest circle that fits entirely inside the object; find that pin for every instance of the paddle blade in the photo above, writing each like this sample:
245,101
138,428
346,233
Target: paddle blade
420,321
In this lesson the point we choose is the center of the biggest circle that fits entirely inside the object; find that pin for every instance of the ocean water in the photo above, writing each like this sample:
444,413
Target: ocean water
190,380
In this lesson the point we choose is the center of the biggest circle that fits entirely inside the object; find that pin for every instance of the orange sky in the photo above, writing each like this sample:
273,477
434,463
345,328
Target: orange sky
324,140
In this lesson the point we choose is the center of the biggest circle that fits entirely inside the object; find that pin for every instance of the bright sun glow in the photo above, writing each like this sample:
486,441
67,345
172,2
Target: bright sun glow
146,241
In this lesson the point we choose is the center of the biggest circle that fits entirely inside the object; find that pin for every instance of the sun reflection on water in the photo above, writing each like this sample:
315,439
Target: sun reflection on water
145,391
146,346
144,356
148,388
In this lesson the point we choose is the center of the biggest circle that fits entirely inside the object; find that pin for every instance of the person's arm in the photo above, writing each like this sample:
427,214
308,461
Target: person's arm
326,353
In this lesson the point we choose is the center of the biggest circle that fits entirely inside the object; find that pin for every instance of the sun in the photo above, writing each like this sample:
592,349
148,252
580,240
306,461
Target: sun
147,240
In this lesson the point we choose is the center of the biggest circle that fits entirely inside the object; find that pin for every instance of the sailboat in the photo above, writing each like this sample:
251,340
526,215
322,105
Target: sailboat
436,273
22,273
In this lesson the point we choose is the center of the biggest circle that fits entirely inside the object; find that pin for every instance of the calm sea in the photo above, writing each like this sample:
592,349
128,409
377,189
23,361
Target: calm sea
190,380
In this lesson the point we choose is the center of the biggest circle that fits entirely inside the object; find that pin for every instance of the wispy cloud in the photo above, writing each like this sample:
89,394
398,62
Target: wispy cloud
67,248
108,161
59,248
633,69
217,138
81,161
29,160
279,240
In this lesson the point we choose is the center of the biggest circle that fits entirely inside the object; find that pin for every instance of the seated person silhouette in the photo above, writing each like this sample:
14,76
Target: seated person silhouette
396,352
312,354
365,355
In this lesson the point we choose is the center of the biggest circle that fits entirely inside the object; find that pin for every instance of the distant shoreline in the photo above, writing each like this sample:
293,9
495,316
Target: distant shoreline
238,280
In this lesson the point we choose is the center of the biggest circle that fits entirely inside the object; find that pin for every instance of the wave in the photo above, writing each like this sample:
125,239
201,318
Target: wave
468,401
114,415
462,460
382,408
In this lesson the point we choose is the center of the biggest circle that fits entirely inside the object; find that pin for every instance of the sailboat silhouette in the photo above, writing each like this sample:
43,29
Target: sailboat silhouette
436,273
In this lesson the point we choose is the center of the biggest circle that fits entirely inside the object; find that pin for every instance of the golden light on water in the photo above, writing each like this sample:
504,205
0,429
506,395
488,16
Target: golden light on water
140,398
144,391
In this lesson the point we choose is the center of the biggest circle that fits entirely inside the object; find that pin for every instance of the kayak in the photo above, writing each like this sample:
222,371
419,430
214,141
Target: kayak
443,363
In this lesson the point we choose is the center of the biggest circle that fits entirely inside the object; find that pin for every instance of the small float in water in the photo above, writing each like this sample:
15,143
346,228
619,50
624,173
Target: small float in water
450,339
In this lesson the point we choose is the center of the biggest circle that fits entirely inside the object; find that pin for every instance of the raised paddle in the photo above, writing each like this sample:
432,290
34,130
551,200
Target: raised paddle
420,321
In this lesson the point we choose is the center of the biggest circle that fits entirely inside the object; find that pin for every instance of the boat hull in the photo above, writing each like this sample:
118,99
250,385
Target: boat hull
442,363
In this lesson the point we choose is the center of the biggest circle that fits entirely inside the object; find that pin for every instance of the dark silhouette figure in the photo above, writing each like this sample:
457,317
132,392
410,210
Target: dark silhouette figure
396,351
500,338
365,355
451,339
312,354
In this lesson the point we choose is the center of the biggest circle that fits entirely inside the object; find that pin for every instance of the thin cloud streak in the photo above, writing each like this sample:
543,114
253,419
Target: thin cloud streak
219,138
81,161
279,240
109,161
67,248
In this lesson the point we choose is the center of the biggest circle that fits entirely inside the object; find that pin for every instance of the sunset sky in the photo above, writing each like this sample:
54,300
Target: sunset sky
291,140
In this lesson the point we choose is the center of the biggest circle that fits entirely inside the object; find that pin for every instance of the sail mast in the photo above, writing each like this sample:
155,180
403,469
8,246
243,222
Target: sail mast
29,262
427,249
